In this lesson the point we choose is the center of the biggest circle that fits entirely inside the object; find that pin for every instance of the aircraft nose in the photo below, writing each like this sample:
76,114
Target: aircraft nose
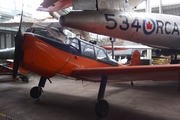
62,20
66,20
77,19
74,19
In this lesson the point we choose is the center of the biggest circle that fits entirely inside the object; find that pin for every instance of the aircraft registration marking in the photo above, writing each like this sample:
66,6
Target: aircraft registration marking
149,26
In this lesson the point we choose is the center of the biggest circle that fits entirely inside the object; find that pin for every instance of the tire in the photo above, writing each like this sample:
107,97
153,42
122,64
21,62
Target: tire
101,108
36,92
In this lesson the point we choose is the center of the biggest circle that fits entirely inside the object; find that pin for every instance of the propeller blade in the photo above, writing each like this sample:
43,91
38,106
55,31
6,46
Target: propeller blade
19,38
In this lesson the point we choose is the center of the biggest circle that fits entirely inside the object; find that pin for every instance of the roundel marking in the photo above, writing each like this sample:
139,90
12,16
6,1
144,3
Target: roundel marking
148,26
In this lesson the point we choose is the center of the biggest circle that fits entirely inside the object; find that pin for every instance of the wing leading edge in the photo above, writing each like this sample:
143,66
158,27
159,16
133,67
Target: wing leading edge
129,73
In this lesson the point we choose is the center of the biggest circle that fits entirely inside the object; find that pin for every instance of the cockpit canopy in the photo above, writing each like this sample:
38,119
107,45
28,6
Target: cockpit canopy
91,51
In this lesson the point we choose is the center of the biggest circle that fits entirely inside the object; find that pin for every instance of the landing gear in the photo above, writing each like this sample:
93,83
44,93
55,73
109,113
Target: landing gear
101,105
37,90
101,108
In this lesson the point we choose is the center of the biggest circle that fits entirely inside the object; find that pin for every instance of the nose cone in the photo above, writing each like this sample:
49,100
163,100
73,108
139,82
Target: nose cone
82,20
62,20
70,19
73,19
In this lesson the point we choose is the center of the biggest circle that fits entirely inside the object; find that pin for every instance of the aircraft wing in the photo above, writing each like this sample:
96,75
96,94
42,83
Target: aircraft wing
6,68
56,5
134,3
16,24
125,47
129,73
10,67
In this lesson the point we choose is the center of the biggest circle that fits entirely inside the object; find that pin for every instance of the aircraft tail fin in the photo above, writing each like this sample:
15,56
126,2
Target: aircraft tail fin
135,59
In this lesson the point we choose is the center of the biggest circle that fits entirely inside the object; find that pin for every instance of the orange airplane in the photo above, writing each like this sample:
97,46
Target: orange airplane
81,60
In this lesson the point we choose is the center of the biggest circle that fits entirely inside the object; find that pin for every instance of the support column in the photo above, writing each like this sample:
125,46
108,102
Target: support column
148,10
148,6
5,41
112,45
160,7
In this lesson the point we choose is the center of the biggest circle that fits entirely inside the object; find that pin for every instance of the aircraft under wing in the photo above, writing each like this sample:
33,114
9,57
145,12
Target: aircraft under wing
55,5
129,73
134,3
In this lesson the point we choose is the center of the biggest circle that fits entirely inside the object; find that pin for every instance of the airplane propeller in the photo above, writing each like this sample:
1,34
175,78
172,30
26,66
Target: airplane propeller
19,38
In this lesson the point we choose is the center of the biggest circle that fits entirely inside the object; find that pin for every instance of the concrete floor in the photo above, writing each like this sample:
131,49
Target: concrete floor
67,99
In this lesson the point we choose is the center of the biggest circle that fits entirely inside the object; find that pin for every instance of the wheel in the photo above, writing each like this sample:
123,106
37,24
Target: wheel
36,92
101,108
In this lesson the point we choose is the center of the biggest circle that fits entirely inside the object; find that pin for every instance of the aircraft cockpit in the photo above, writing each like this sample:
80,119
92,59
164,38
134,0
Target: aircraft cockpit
92,51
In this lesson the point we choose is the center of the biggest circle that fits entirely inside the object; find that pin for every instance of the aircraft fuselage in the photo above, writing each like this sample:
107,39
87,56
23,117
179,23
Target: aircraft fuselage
158,30
48,57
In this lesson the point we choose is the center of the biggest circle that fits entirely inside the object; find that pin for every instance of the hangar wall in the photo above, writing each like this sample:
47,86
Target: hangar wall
7,39
166,9
8,9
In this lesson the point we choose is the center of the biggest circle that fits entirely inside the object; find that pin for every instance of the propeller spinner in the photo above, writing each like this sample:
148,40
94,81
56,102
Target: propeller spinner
19,38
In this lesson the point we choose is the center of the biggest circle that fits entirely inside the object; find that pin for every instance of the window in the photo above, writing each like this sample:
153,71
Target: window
82,46
101,54
74,42
88,51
